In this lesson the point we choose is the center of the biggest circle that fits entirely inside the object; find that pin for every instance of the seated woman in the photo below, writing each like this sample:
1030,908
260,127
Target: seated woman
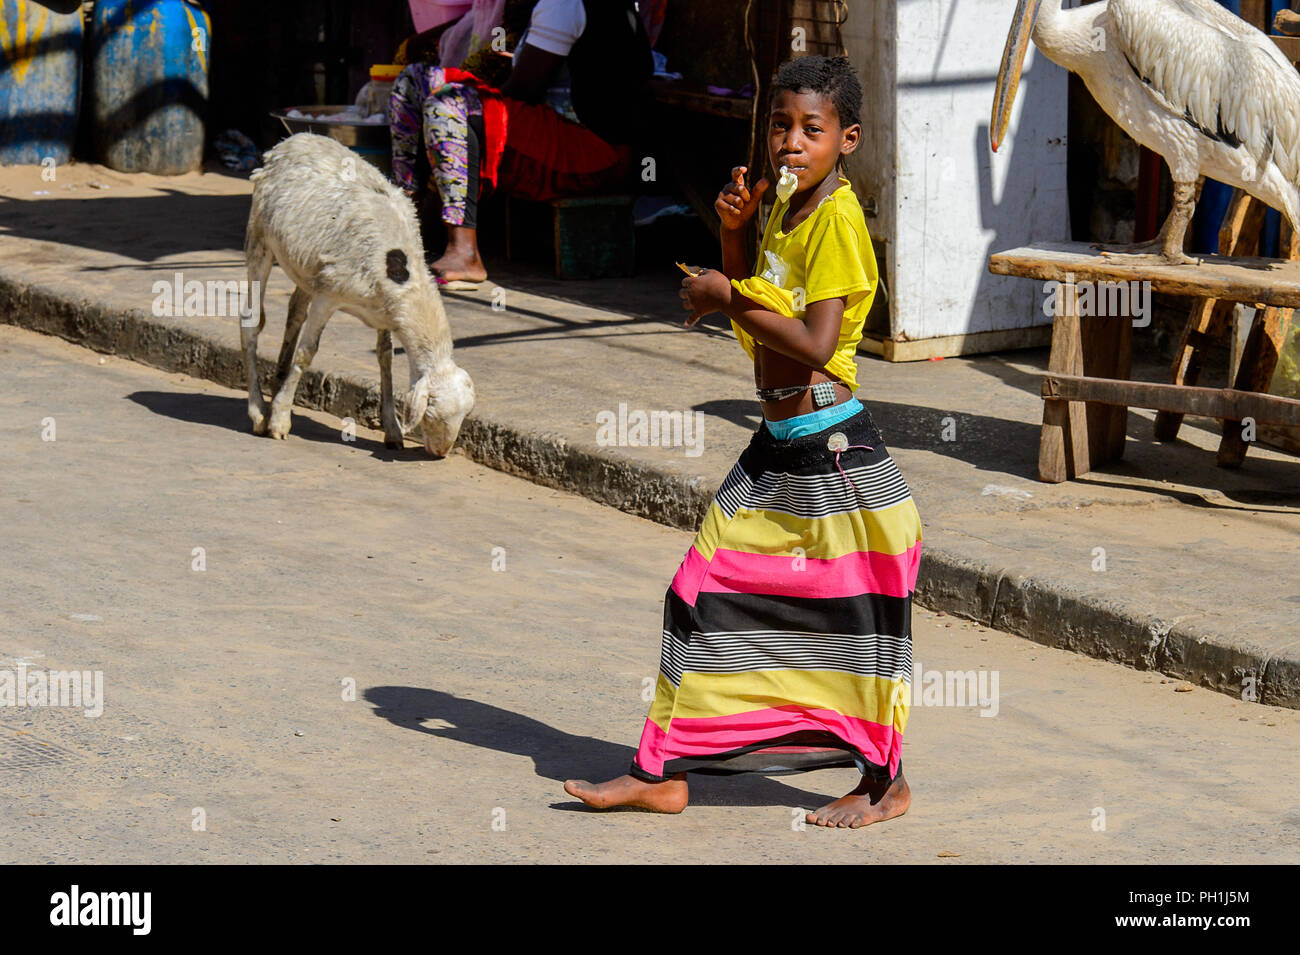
560,125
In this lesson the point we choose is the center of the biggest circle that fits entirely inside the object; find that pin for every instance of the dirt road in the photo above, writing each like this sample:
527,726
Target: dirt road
233,591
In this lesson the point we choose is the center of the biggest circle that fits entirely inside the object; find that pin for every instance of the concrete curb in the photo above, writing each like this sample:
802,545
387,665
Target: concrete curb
1043,610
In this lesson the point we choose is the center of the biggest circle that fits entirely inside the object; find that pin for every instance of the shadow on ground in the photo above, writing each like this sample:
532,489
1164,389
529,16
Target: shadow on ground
558,755
232,414
128,225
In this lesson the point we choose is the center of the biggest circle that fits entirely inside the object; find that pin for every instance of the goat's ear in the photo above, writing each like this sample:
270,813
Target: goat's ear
417,402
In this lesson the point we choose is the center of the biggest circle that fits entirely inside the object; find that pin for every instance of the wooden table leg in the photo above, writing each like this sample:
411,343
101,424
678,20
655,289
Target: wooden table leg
1078,436
1107,353
1258,361
1259,358
1239,235
1208,321
1062,446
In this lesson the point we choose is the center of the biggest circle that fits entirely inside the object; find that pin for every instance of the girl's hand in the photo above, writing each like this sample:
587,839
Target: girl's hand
705,292
735,204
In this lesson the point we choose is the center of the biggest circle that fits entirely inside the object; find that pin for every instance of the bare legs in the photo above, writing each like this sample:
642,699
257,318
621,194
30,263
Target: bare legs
867,803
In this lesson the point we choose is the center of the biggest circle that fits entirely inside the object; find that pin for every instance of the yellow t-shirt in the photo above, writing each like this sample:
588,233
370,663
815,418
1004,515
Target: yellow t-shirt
828,255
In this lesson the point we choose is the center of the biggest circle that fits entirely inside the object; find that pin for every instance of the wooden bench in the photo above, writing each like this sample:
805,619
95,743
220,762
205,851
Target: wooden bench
1086,392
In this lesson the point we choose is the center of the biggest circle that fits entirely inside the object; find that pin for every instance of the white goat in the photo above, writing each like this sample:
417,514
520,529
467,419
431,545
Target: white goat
350,242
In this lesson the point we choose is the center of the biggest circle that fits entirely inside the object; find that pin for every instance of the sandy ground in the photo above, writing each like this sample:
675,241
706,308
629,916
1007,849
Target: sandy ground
479,690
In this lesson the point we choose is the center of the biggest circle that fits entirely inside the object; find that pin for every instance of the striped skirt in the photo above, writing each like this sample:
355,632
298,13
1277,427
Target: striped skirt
787,641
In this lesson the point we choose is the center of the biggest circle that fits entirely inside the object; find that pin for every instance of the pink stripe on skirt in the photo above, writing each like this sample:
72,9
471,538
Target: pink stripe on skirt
713,735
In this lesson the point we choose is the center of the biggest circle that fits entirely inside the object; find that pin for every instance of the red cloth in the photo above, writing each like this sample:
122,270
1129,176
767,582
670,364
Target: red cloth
548,156
495,121
537,154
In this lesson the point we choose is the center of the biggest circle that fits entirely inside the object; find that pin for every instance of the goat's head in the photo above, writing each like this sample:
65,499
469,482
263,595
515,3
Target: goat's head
438,403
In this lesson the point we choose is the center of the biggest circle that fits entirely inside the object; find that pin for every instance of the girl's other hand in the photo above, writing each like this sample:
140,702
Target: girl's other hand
706,292
736,204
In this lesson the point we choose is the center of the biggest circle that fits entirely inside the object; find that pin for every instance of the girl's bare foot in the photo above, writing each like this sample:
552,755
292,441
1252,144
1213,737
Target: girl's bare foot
869,802
668,796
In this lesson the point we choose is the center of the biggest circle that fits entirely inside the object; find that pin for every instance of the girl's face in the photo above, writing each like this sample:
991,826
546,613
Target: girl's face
805,136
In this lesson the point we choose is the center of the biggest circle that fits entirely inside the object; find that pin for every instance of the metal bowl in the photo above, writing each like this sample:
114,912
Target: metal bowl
371,141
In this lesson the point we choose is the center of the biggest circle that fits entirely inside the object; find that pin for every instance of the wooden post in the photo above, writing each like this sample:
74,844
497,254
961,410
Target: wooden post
1258,361
1079,436
1062,450
1238,236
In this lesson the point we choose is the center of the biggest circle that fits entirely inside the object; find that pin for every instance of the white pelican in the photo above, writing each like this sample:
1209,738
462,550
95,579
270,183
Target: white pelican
1185,78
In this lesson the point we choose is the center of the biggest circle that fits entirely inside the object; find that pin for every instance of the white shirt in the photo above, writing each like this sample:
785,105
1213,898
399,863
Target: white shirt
555,26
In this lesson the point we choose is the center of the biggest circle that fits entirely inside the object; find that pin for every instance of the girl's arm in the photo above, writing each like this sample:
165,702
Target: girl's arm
735,263
531,74
811,341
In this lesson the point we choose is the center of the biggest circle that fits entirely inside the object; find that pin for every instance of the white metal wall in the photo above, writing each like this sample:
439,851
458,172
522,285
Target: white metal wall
946,201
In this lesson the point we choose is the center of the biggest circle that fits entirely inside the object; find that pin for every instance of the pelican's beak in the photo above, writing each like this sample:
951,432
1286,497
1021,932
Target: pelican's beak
1013,59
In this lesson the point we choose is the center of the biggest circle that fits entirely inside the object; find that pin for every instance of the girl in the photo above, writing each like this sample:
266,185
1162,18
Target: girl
787,628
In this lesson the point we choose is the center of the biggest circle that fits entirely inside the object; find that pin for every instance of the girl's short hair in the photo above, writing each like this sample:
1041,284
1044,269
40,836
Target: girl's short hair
831,76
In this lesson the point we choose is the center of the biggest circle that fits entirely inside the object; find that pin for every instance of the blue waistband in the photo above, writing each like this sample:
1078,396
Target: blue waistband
806,424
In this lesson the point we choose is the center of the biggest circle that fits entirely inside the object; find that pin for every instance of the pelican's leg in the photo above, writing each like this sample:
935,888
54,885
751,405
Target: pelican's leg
1167,247
1173,235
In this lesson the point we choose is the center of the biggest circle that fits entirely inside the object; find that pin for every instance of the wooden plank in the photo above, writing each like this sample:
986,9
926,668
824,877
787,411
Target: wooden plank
1052,466
1258,361
952,346
1063,448
1208,316
669,93
872,346
1224,403
1289,45
1253,12
1282,438
1076,437
1248,280
1107,353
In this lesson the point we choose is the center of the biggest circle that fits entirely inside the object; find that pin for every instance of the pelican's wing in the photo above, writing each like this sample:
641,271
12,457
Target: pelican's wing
1217,72
1216,15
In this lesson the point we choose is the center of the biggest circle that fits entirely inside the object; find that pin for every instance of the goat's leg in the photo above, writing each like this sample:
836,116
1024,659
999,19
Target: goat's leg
259,260
387,409
298,303
318,313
